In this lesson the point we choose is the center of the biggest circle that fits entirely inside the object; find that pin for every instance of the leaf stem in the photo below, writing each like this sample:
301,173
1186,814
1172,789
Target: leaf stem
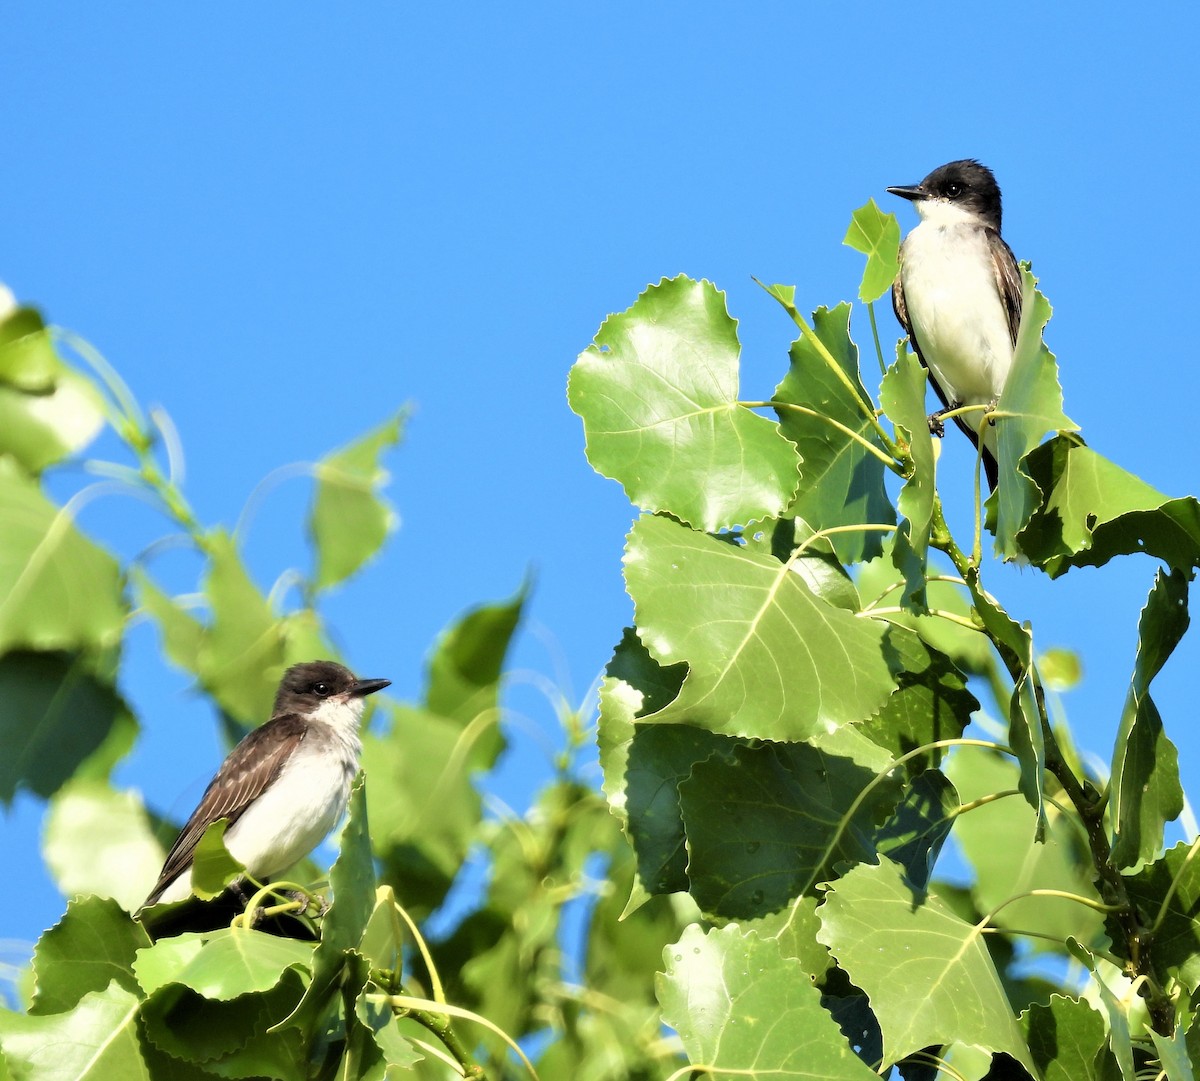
773,403
875,335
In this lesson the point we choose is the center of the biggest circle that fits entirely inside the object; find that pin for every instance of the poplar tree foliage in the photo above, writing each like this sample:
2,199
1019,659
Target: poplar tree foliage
754,893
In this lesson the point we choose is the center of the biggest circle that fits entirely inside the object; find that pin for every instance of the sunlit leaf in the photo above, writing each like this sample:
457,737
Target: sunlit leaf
221,964
766,656
877,236
1067,1040
1095,510
1029,408
93,945
98,840
866,915
213,867
743,1010
349,521
842,481
902,396
658,394
95,1041
1145,789
28,359
57,589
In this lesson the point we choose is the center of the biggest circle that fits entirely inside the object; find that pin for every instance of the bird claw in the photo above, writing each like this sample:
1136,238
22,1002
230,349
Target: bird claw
936,425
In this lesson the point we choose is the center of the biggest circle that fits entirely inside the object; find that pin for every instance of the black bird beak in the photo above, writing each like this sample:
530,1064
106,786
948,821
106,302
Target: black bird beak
360,688
912,192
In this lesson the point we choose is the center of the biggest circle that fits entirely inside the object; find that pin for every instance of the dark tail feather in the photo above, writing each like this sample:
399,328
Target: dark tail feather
991,469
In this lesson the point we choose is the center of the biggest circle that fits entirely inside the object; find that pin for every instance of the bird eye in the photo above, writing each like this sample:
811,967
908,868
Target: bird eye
323,690
954,190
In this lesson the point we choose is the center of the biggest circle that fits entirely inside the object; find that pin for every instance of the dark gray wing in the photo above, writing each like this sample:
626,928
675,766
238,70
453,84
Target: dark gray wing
1008,281
251,766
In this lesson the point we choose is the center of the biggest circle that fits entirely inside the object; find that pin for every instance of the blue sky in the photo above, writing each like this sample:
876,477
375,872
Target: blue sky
283,222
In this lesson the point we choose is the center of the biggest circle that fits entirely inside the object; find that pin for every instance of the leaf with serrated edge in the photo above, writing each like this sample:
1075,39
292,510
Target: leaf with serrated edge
93,944
765,822
902,395
658,395
767,657
96,1041
1145,788
1176,952
843,481
1029,407
868,917
1095,510
1066,1039
221,964
744,1010
877,236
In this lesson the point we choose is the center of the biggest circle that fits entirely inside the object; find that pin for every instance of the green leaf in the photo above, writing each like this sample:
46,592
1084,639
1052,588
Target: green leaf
352,878
902,395
842,481
98,840
57,589
658,395
1029,407
1173,879
767,657
55,712
242,656
1067,1040
229,1038
930,703
1025,735
914,835
1173,1055
1095,510
93,945
743,1010
28,360
213,868
1145,789
468,660
182,633
349,521
867,917
764,824
998,841
221,964
877,236
95,1041
39,429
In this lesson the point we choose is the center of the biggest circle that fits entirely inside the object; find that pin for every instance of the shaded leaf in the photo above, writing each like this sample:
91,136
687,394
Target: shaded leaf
658,395
914,835
764,824
55,712
28,359
767,657
1067,1040
91,946
41,428
842,481
866,914
1145,789
744,1010
349,521
877,236
1174,878
57,589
